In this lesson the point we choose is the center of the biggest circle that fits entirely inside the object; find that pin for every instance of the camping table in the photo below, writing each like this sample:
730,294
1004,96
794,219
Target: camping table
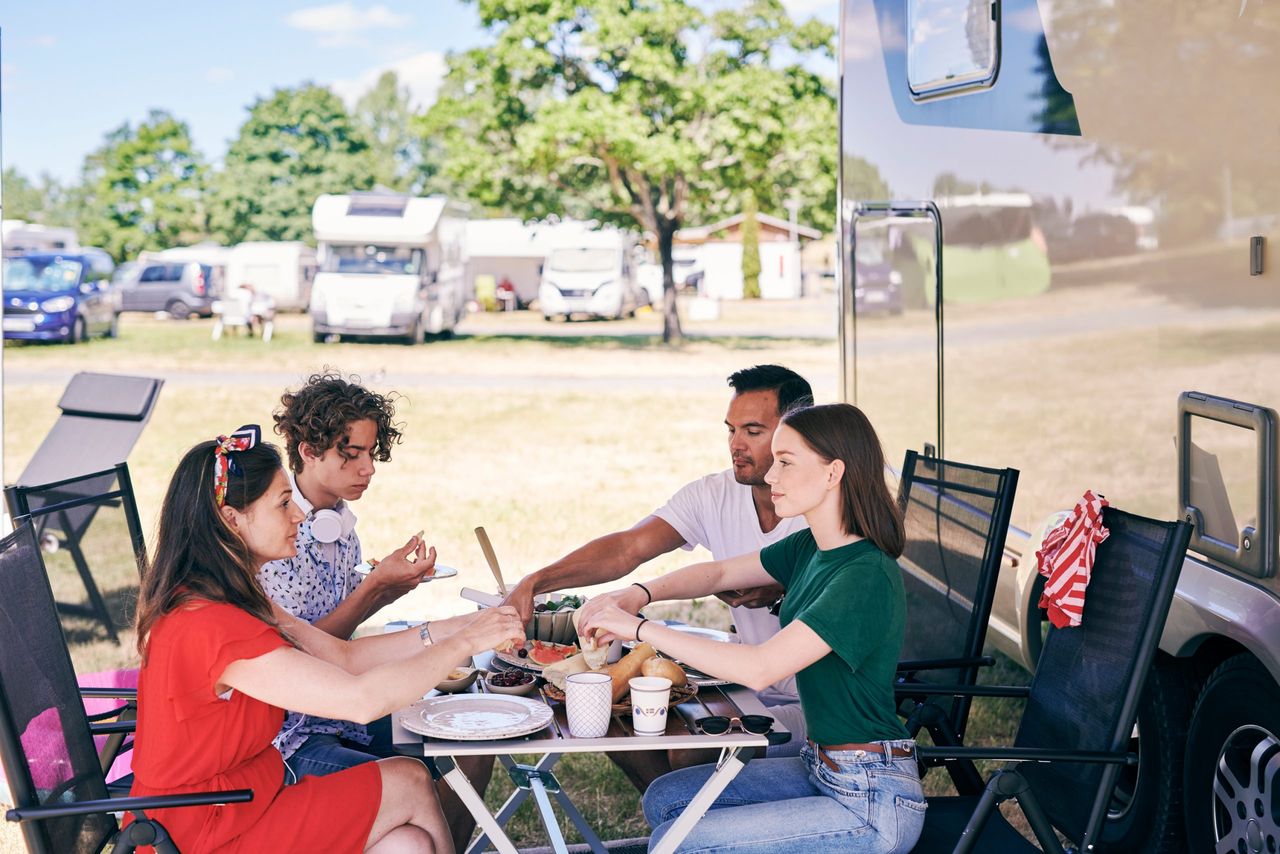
737,748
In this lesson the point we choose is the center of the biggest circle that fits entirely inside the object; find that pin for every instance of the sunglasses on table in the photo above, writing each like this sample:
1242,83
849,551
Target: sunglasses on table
719,725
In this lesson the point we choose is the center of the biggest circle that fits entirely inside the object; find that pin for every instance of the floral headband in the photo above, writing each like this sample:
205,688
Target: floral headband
242,440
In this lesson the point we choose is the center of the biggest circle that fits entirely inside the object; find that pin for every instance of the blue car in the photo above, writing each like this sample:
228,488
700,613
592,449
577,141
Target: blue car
64,296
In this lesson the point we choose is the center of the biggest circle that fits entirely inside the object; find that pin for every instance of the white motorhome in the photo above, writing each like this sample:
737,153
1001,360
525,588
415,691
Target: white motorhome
391,266
282,270
589,273
1104,319
18,237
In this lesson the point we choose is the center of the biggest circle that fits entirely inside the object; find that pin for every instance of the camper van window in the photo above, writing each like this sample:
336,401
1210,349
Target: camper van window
582,260
24,274
375,260
952,45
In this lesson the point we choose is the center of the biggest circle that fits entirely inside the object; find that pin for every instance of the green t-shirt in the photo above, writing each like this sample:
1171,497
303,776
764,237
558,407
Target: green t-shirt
852,598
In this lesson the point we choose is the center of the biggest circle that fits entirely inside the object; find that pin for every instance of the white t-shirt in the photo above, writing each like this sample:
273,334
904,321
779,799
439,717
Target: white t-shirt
718,513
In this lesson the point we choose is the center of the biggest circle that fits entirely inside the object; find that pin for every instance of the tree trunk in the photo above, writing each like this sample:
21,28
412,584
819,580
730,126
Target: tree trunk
671,332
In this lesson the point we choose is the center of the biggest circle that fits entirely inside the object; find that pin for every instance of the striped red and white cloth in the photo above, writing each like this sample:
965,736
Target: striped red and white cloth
1065,558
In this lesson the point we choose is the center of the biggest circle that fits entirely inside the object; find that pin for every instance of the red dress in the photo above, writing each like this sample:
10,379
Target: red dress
189,740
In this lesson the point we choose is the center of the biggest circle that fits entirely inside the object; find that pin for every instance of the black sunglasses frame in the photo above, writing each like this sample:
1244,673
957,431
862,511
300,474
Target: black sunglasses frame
752,724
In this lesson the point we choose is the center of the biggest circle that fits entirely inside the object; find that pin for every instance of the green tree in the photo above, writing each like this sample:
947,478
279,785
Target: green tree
648,113
750,247
386,116
22,198
294,146
140,189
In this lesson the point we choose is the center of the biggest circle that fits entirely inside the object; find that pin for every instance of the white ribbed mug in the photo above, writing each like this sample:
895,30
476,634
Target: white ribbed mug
588,703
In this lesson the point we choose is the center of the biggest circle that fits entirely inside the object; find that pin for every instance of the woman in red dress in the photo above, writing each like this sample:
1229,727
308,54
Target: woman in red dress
220,665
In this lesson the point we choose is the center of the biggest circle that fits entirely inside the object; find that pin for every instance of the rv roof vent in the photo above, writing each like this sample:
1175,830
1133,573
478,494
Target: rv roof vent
377,204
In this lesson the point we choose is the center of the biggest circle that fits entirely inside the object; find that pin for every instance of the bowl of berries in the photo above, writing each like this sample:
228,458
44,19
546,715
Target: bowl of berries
519,682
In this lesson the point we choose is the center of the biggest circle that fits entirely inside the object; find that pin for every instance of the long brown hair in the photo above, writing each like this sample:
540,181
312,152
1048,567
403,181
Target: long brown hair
839,431
197,554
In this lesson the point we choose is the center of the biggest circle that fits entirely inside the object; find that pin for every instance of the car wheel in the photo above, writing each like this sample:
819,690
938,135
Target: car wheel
1233,761
79,331
178,309
319,337
1145,813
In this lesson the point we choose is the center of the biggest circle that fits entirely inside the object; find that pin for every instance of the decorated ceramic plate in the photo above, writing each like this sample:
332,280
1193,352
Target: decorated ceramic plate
540,654
476,717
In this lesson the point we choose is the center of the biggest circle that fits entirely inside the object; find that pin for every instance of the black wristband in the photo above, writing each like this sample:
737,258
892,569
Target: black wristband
645,589
643,620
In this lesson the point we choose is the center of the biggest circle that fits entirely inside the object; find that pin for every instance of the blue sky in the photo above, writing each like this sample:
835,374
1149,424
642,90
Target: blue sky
72,70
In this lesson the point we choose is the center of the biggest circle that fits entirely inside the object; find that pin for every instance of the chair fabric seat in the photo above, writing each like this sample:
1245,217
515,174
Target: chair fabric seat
946,818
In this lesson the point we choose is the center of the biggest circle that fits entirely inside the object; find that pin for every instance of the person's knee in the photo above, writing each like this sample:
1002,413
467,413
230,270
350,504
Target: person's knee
689,758
405,778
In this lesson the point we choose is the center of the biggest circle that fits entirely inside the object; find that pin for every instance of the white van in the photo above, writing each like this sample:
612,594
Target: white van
282,270
591,273
391,266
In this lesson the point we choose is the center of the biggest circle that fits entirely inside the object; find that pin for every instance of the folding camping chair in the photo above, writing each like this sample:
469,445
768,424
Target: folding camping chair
55,778
1080,707
957,518
63,513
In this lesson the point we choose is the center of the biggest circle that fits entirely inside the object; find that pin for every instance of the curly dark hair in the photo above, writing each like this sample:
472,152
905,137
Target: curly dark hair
319,413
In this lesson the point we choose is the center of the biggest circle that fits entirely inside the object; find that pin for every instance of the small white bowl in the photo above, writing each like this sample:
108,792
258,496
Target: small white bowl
453,686
524,690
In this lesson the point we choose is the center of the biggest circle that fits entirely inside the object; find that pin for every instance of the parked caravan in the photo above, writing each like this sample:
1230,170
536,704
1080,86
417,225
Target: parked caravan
1079,200
281,270
590,273
391,266
26,238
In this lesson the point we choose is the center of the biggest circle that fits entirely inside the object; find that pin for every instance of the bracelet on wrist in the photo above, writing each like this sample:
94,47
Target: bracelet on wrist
643,620
424,633
647,593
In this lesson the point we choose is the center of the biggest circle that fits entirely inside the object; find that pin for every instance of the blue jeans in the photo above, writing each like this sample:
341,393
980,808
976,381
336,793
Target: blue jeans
324,754
871,805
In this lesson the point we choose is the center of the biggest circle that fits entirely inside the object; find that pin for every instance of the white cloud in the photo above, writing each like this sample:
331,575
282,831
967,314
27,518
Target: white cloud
218,74
801,9
344,18
422,73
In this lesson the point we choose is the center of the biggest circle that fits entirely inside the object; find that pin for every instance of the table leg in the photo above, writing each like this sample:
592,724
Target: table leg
726,770
589,835
548,815
515,801
473,802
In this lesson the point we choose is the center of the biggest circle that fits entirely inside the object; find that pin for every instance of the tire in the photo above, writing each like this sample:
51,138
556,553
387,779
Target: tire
79,331
319,337
113,331
1233,761
178,309
1145,814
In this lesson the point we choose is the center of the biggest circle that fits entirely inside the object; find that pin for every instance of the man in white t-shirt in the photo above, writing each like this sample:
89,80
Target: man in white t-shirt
730,513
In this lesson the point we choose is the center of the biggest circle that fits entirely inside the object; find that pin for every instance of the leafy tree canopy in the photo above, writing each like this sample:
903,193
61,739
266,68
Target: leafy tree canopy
649,113
295,145
140,189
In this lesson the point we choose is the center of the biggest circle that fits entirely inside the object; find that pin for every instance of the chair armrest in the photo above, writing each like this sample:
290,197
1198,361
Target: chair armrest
110,693
944,663
112,713
1028,754
915,689
192,799
109,727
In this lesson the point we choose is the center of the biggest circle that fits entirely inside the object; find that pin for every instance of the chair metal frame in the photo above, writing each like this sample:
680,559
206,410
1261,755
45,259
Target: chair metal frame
17,497
27,807
947,727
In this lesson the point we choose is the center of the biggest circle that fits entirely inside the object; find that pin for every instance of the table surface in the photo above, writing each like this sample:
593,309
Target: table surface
729,700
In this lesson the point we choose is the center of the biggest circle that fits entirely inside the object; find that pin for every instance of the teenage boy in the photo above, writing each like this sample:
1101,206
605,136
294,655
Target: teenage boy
730,513
335,431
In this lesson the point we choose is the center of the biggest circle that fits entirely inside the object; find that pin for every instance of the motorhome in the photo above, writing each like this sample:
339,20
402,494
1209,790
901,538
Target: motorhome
590,273
1079,199
391,266
283,270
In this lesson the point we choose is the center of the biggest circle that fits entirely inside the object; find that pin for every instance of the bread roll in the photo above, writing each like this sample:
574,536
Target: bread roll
624,669
667,669
595,653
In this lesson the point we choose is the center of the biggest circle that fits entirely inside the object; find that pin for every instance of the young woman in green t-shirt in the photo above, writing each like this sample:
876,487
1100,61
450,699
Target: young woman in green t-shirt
855,787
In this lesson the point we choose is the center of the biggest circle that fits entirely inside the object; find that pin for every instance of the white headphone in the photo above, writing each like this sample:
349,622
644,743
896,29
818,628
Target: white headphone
329,526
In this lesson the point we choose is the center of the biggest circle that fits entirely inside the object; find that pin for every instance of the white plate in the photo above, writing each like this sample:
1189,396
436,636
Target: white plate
476,717
524,663
711,634
441,572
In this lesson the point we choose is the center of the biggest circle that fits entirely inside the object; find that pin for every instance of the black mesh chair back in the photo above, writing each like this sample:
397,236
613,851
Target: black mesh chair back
957,518
45,743
87,515
1088,680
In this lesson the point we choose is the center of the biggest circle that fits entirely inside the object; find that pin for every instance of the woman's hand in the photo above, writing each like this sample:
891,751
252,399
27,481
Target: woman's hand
609,621
491,628
629,599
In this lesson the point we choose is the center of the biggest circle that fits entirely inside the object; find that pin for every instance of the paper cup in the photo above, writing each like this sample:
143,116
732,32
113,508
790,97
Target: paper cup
649,697
588,703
